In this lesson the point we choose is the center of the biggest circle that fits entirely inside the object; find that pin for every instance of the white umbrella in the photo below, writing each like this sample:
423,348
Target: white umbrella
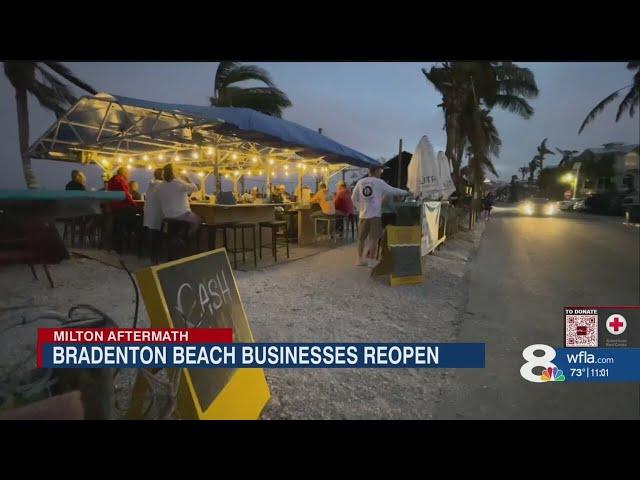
423,174
448,186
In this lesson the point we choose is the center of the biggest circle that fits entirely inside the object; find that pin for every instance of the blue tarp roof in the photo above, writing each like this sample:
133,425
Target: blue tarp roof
263,129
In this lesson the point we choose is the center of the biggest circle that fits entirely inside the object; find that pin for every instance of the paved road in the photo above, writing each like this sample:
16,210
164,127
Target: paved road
525,272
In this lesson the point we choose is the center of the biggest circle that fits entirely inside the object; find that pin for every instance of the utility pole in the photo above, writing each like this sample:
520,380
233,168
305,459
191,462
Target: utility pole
399,164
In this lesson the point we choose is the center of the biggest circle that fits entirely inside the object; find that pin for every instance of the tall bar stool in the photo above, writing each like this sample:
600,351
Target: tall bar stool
176,232
277,226
212,233
242,226
330,220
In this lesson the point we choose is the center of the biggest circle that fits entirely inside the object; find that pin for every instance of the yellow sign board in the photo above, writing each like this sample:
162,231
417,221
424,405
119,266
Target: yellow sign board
201,292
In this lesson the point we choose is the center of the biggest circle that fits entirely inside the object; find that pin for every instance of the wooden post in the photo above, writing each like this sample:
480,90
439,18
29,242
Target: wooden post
399,164
216,173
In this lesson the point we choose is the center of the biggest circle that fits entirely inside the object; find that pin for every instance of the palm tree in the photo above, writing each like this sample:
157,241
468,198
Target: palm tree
523,171
269,100
629,102
542,151
533,165
566,155
38,79
468,89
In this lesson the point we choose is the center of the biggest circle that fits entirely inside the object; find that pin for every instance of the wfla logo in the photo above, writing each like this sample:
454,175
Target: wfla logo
550,372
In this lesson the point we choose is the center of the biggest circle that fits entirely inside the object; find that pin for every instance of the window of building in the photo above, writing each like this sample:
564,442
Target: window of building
604,183
627,182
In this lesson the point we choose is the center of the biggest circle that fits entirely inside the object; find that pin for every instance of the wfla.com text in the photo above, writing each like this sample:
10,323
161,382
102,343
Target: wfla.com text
585,357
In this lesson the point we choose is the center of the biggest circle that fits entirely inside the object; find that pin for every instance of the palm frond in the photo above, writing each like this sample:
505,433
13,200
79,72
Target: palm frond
599,108
61,90
514,104
248,72
69,76
631,99
268,100
221,74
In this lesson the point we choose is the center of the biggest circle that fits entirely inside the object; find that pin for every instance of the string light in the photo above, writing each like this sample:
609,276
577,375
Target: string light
145,157
149,167
184,172
119,159
274,174
236,173
130,159
209,151
161,157
271,161
129,167
105,163
254,159
226,175
234,156
286,167
176,158
201,174
194,155
286,174
300,165
315,170
260,173
304,167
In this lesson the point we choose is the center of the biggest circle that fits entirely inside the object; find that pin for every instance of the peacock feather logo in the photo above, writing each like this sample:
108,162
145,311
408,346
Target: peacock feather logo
552,374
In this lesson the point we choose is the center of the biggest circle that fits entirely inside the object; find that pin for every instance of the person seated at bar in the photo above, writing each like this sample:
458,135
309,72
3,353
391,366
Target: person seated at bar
124,211
173,197
283,193
134,189
276,194
343,202
120,183
78,181
320,198
254,193
152,218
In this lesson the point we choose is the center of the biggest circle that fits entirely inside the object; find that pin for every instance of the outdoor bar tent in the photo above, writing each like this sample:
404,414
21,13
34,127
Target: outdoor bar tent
112,131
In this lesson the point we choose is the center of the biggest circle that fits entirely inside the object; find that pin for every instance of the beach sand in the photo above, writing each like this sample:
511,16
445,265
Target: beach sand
321,298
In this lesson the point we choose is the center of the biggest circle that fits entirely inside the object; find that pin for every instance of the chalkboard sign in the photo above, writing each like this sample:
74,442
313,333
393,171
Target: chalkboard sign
199,292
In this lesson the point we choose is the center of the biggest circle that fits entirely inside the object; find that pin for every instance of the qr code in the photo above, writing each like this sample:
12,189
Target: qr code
581,330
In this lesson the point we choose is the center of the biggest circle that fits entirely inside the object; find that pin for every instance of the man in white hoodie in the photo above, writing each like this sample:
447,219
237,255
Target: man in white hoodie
367,199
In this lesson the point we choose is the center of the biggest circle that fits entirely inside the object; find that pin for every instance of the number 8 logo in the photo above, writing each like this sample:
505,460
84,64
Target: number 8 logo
526,371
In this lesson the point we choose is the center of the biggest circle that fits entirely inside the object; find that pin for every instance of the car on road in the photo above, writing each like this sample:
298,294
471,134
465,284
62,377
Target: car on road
538,206
567,205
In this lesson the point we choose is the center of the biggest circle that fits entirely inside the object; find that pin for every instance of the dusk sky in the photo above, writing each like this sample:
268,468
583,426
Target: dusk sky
366,106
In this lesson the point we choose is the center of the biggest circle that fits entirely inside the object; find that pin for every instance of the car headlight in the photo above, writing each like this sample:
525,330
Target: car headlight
527,208
550,209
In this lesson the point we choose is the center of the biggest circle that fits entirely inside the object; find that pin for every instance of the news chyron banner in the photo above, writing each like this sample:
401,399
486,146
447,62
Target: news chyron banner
200,328
601,344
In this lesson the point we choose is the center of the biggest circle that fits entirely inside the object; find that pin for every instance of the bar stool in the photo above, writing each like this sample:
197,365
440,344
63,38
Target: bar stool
330,220
291,217
242,226
275,226
212,233
176,231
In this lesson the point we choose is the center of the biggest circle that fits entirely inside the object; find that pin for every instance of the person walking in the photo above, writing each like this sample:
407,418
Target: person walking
367,199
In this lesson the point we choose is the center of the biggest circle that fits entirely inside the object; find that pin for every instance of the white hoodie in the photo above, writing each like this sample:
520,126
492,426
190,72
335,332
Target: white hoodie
367,196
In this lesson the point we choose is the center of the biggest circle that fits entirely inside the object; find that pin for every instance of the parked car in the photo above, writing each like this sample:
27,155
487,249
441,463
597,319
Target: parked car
568,205
580,205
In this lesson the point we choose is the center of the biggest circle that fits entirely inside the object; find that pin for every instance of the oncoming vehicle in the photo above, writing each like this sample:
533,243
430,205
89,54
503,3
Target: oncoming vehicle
538,206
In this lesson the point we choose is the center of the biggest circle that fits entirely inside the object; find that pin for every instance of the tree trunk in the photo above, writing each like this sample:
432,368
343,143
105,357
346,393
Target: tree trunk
22,107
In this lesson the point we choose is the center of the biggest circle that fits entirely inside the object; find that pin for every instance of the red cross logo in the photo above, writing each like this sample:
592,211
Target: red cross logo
616,324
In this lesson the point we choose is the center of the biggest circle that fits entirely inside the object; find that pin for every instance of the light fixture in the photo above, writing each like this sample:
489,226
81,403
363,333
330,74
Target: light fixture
201,174
236,173
286,174
315,170
304,167
300,165
260,173
119,159
129,167
226,175
194,155
105,162
274,174
234,156
149,167
209,151
271,161
286,167
248,173
161,157
130,159
254,159
176,158
184,172
145,157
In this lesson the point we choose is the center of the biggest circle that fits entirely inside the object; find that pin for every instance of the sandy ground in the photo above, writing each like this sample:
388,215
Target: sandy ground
322,298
